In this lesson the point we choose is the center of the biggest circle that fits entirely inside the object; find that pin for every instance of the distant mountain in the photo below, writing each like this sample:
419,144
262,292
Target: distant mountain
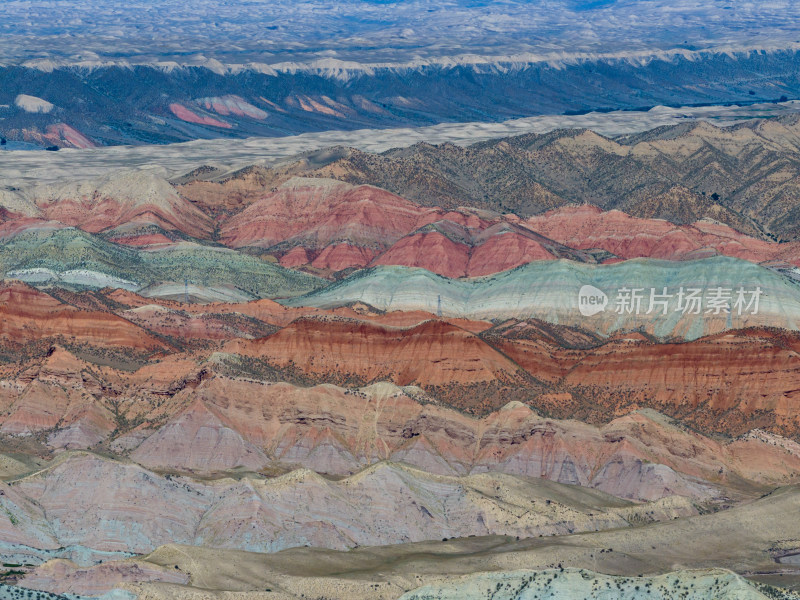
677,193
745,175
102,104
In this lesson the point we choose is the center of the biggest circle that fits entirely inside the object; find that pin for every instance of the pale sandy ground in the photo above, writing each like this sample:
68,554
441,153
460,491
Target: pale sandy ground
744,539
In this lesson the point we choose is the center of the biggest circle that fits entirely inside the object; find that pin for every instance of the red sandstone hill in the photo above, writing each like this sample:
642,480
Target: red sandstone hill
452,250
124,201
329,227
59,394
329,429
204,422
588,227
139,323
727,383
432,353
28,315
221,319
315,214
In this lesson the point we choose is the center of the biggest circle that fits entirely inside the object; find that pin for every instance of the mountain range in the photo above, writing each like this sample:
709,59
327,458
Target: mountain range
301,377
399,300
166,103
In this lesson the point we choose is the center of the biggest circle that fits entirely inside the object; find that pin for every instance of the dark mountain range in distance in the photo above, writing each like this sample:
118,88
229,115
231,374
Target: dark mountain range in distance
110,105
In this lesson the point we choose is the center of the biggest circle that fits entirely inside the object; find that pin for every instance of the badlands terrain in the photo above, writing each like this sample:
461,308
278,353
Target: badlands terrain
356,375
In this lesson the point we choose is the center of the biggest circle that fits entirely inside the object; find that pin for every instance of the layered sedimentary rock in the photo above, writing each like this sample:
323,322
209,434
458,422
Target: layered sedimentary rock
338,431
65,577
625,237
432,353
28,315
468,364
454,251
195,323
742,538
729,382
635,295
126,200
319,225
681,173
519,369
739,380
134,510
59,395
73,259
198,440
190,420
316,213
